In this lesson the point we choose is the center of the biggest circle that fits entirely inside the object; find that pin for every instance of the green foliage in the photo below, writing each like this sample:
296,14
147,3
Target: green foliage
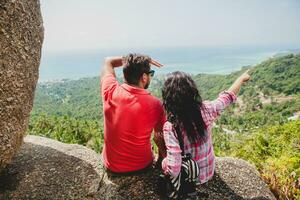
275,150
79,99
253,117
221,142
276,75
68,130
279,74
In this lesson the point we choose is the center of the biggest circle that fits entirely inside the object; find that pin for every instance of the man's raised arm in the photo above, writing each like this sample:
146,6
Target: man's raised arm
110,63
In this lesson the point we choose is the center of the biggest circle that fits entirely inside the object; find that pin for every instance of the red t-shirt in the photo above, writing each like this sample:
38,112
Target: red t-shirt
130,115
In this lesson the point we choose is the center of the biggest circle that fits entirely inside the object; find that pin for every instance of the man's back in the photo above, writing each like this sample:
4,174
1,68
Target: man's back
130,114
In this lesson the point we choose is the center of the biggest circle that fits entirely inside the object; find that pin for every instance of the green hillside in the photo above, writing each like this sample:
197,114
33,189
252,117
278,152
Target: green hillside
78,99
273,76
256,128
81,98
269,98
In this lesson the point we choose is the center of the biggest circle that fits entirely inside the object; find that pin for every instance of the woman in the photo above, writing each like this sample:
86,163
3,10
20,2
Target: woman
193,119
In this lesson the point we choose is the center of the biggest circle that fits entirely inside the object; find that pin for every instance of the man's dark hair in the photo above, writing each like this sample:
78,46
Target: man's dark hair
135,65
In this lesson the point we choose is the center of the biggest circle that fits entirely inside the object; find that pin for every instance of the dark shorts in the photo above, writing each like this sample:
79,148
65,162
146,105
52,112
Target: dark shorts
131,173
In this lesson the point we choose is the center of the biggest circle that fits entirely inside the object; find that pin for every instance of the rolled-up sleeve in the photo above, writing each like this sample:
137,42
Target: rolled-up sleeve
171,164
225,99
212,109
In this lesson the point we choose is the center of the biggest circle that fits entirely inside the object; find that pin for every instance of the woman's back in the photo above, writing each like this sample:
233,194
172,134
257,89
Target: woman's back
201,150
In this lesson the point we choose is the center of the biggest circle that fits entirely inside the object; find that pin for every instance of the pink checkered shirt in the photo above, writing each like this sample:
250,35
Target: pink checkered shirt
202,152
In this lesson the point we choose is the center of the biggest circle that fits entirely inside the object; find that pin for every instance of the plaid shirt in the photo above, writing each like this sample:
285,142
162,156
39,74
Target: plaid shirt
202,152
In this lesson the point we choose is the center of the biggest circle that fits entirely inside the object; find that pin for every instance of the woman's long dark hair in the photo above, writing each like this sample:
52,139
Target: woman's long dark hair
182,104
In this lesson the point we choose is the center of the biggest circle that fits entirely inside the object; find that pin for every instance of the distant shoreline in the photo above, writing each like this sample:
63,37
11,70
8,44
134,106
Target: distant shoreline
207,63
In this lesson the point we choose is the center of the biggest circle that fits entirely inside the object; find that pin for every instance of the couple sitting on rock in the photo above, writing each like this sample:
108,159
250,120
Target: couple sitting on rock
181,123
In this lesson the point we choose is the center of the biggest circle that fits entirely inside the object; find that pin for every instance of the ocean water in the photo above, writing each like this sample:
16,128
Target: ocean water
74,65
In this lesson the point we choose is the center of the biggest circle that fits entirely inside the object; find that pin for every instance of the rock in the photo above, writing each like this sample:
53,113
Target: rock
47,169
21,28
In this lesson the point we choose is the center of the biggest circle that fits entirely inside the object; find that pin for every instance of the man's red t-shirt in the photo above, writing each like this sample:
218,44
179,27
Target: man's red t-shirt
130,115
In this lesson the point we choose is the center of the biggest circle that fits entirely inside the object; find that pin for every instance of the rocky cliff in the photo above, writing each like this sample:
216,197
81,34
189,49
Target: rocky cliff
48,169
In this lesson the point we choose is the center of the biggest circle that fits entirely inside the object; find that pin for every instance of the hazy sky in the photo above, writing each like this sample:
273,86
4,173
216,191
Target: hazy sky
99,24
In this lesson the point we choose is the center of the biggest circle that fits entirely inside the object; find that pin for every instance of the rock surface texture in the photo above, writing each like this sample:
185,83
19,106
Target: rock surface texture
47,169
21,37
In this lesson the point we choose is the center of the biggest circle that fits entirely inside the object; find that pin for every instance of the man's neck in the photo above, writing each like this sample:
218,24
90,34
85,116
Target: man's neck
140,85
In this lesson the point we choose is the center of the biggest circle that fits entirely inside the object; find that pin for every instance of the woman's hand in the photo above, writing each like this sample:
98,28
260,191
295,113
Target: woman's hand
245,76
235,88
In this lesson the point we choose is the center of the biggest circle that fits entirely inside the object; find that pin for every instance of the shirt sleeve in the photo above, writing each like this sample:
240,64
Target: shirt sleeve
108,85
171,164
212,109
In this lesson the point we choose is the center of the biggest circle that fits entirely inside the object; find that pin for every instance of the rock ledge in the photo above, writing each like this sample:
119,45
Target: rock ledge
48,169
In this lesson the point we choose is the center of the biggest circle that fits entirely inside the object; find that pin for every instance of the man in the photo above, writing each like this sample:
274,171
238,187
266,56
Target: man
130,114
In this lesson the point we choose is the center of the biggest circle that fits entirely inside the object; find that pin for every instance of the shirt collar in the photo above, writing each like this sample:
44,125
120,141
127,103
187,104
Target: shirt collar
135,90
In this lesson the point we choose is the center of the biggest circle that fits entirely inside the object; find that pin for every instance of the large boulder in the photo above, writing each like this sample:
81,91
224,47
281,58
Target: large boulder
47,169
21,37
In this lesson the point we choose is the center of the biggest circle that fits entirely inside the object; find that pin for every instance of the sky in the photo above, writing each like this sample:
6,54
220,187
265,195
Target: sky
76,25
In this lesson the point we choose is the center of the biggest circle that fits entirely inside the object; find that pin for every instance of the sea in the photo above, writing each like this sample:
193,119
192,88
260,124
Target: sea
60,65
